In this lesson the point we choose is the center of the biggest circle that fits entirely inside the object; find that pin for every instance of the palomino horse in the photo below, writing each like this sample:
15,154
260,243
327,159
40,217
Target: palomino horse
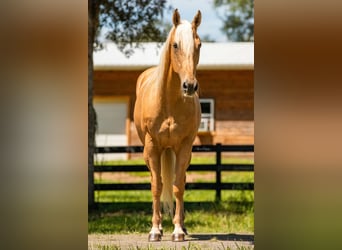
167,115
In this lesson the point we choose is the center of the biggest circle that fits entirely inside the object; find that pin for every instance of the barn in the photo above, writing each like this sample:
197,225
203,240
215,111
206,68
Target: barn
226,77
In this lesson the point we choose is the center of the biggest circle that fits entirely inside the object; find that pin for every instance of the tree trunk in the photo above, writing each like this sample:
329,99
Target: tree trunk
91,111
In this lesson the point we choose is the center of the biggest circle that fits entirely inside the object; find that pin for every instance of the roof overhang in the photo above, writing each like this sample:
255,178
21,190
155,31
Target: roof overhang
214,56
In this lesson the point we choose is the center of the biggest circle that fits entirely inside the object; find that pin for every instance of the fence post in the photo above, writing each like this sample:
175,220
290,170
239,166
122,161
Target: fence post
218,171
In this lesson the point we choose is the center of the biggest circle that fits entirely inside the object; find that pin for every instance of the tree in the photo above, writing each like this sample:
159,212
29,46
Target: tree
237,17
127,23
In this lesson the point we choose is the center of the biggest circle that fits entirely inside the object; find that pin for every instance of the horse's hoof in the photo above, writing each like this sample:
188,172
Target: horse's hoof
178,237
154,237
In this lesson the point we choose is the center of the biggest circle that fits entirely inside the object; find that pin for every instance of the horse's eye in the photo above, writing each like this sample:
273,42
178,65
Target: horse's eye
175,45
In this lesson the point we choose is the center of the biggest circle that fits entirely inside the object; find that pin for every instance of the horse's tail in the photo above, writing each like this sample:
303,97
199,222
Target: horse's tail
168,160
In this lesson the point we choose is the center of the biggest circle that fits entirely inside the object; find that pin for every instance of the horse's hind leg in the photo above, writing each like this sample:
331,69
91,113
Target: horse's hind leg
152,159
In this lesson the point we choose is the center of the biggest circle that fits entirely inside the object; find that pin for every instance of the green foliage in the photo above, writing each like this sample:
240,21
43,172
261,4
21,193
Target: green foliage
207,38
129,22
237,17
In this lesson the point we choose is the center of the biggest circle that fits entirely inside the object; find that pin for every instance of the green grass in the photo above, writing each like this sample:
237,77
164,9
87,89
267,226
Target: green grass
204,218
125,212
194,160
191,246
224,160
200,177
226,176
130,212
139,161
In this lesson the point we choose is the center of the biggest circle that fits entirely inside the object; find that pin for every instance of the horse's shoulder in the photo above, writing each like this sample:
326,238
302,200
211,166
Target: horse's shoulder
144,76
147,73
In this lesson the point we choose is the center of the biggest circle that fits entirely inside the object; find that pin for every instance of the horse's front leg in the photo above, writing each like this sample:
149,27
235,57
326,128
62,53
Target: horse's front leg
152,159
182,163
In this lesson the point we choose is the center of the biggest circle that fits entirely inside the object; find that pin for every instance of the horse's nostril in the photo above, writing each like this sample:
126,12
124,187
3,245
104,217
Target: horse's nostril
189,88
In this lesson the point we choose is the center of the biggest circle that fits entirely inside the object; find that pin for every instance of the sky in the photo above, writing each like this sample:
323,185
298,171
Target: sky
211,23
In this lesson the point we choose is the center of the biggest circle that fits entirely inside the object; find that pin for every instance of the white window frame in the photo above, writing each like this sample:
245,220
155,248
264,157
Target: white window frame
207,119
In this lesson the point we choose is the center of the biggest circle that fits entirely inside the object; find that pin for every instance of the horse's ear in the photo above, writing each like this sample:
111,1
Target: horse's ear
197,19
176,18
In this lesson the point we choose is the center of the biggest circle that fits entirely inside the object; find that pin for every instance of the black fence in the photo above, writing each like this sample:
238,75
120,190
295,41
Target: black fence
218,167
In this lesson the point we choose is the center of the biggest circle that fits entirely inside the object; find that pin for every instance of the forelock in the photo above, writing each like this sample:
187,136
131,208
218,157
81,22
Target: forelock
184,36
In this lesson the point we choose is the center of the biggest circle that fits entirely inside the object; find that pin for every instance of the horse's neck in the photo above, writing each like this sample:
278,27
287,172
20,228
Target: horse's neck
169,86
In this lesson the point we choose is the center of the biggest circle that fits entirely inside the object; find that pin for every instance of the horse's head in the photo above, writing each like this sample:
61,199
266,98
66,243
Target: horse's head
185,47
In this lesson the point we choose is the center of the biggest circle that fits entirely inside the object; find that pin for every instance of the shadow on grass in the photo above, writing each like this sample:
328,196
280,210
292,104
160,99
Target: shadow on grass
222,237
118,221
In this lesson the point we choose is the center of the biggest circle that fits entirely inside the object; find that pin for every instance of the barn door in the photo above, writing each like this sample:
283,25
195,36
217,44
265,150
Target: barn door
111,115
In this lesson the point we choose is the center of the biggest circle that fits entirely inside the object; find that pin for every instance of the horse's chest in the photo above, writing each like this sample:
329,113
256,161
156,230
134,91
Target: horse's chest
170,130
169,127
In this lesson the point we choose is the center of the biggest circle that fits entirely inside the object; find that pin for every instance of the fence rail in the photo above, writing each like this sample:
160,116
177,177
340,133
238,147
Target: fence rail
218,167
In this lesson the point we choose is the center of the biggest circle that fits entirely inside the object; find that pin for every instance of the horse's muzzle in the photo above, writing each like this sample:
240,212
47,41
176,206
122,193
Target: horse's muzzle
189,88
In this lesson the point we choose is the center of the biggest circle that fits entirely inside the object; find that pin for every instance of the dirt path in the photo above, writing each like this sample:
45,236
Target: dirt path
193,241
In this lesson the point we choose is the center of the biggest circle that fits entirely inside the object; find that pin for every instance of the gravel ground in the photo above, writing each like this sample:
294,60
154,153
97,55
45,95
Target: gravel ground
193,241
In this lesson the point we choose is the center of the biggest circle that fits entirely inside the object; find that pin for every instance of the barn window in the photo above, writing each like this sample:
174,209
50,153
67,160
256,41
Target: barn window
207,119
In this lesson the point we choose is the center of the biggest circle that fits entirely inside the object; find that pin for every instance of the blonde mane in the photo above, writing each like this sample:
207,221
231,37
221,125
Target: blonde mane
164,62
185,37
